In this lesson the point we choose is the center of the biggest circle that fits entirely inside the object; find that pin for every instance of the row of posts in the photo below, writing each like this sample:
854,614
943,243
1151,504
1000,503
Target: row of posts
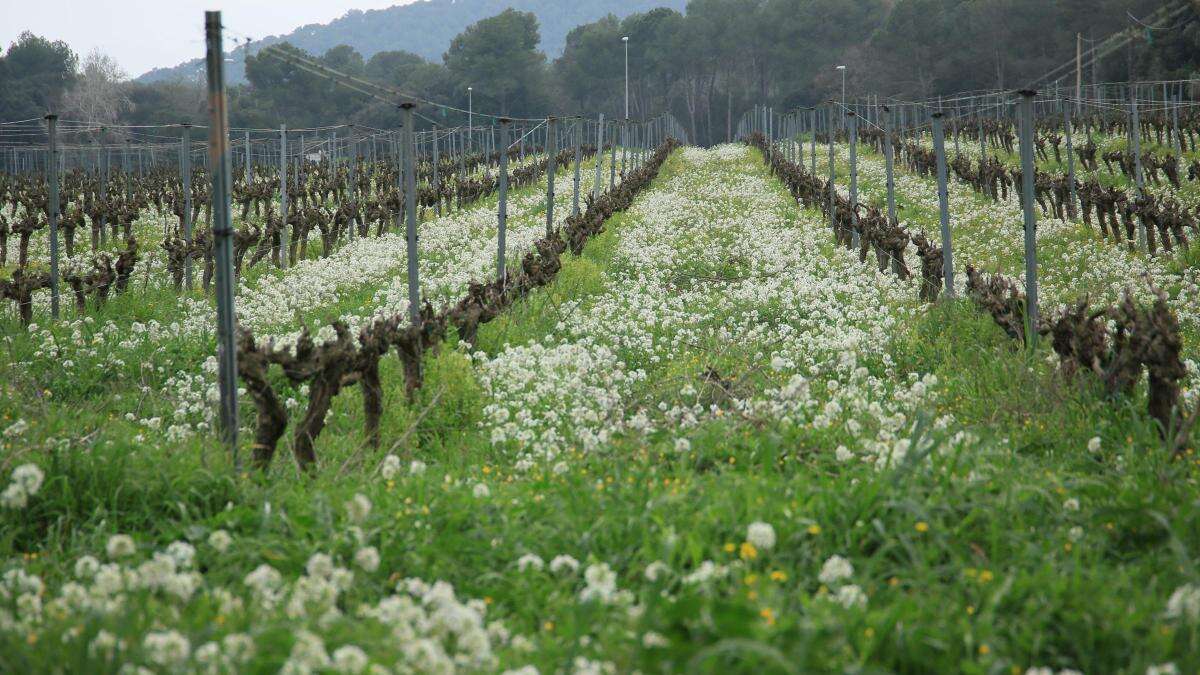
763,120
637,142
636,145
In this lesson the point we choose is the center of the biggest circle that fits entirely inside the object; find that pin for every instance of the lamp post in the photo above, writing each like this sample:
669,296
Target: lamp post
626,41
470,120
843,115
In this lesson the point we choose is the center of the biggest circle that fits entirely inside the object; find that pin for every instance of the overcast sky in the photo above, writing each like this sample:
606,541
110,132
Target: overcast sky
145,34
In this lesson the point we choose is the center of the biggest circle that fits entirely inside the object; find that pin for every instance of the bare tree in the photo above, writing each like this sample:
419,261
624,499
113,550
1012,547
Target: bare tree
98,97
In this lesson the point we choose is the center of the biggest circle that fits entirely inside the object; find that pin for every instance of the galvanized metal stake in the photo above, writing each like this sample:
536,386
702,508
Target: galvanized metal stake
812,169
437,180
410,212
1135,134
352,146
1175,126
624,146
283,199
578,158
221,170
612,159
551,167
855,239
889,156
832,173
185,164
982,142
1025,119
52,208
599,157
502,209
1068,111
939,149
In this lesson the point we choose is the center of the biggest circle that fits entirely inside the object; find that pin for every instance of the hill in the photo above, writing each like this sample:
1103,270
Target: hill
425,27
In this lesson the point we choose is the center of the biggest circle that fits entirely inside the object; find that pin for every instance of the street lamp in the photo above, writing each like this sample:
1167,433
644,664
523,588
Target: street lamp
626,41
843,116
470,121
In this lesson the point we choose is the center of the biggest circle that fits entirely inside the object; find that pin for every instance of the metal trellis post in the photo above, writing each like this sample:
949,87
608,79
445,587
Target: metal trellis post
939,149
502,209
551,167
1025,114
283,198
578,159
219,161
599,157
52,208
185,168
410,216
1135,133
855,238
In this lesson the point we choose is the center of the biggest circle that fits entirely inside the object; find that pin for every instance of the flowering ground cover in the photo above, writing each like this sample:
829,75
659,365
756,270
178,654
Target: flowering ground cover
1074,260
715,443
93,364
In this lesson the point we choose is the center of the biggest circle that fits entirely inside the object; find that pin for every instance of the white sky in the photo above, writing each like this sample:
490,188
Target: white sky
146,34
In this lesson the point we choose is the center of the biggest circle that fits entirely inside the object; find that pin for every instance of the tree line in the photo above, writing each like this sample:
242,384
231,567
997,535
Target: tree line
705,65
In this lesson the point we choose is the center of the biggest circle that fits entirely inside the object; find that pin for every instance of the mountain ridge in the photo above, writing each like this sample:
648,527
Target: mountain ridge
425,28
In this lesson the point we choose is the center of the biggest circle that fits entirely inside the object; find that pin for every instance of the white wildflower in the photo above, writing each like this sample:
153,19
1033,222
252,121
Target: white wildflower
183,553
167,648
120,546
1184,603
761,534
220,540
563,563
358,508
349,659
650,640
319,565
86,567
390,467
835,569
530,561
367,558
601,583
656,570
29,477
14,497
851,596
